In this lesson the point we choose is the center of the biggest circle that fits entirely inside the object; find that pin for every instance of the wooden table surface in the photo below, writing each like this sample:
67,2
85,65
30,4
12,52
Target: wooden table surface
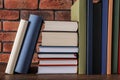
33,76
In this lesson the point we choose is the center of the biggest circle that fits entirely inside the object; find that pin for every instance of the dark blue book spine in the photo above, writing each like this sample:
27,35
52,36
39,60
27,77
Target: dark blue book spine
89,35
29,44
104,35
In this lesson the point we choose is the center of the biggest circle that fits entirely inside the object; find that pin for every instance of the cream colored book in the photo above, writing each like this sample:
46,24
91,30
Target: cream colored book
60,26
16,47
59,39
78,13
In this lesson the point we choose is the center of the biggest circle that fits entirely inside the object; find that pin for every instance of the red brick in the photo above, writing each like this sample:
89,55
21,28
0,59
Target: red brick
10,25
0,47
55,4
1,36
37,47
40,38
21,4
35,58
47,15
1,3
7,47
0,26
62,15
8,36
4,57
9,15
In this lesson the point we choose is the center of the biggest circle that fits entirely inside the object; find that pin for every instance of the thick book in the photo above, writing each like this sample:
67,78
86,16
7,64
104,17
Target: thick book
16,46
89,35
60,26
29,44
59,39
104,36
116,9
97,31
57,62
109,41
78,13
57,55
57,69
58,49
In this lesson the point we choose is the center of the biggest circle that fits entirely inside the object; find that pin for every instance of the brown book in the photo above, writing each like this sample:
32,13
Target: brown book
109,42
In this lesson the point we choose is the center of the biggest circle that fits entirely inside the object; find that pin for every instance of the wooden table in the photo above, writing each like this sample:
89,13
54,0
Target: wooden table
33,76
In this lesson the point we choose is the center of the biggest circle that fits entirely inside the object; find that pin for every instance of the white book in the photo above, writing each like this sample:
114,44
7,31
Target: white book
16,46
72,55
58,62
66,49
57,69
60,26
59,39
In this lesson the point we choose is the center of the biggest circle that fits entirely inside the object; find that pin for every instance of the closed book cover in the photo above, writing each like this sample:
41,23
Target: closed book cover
116,9
58,49
57,55
57,62
109,41
57,69
59,39
97,31
61,26
78,13
16,46
29,44
89,35
104,36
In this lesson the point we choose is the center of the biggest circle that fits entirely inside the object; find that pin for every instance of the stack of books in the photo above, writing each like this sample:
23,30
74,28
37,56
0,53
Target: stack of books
59,48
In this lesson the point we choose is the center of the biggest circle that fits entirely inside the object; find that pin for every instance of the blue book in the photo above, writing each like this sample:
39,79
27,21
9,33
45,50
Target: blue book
29,44
104,36
89,35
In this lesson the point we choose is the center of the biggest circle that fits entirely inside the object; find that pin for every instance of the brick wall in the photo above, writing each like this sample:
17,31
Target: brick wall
11,11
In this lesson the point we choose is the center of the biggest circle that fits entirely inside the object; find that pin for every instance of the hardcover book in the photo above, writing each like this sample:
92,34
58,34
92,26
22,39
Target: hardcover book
58,49
89,35
104,36
109,41
16,46
29,44
57,55
61,26
116,4
59,39
97,37
57,69
78,13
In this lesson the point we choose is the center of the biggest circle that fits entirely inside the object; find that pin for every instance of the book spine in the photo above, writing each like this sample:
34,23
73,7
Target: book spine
97,34
89,35
109,41
119,44
16,46
104,35
82,37
29,44
116,9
